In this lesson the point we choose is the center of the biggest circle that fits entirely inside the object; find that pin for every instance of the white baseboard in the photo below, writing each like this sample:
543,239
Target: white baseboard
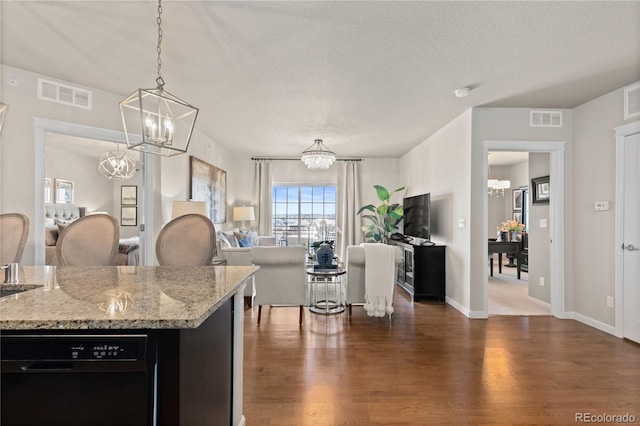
539,302
594,323
464,311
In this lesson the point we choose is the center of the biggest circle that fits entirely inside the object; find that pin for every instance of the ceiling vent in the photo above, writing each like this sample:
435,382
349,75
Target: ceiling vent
545,119
64,94
632,101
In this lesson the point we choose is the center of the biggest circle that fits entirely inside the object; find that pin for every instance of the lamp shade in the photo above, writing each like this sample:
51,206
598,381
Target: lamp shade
181,208
244,213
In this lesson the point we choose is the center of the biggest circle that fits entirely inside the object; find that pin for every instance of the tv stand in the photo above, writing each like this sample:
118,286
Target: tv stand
422,270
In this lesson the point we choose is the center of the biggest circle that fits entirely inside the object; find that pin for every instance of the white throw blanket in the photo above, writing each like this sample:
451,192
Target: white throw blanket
379,278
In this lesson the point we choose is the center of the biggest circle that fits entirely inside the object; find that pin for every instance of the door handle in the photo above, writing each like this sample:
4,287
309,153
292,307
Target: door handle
630,247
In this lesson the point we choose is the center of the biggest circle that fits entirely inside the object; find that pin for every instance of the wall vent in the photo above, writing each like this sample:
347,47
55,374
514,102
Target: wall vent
63,93
545,119
632,101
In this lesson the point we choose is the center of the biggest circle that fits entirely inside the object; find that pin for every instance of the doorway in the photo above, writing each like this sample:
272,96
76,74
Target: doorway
556,215
43,127
627,267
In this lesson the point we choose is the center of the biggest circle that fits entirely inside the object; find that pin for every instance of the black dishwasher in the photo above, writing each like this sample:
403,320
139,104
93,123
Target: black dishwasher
101,379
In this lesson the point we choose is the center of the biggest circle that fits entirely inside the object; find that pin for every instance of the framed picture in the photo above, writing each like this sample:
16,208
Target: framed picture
129,195
209,184
517,216
48,190
516,196
64,191
540,190
128,216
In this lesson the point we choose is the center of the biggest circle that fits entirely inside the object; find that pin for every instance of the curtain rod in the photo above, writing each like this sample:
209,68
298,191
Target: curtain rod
298,159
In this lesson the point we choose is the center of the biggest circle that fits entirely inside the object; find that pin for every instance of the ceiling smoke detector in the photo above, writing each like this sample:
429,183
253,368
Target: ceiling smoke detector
462,92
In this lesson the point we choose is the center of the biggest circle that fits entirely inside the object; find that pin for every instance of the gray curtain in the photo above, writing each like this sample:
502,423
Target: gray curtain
348,204
262,196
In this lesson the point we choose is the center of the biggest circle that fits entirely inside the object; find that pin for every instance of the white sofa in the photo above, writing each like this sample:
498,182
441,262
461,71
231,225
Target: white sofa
234,255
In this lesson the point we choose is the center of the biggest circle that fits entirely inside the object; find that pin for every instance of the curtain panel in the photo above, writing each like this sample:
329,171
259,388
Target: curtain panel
262,196
348,220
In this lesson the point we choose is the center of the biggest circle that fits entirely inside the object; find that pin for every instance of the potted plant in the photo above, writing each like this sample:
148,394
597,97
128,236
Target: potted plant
384,218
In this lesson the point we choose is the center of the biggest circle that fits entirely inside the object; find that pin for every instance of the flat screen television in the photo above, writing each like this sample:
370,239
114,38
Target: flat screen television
417,216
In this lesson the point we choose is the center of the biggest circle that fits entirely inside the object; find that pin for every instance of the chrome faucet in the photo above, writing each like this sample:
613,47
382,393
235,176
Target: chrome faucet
10,273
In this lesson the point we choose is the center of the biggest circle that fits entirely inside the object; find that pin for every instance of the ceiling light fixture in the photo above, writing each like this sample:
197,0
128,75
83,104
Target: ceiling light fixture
3,112
117,166
317,156
462,92
164,121
496,187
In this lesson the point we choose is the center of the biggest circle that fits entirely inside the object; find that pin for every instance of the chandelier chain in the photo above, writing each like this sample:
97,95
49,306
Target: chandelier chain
159,80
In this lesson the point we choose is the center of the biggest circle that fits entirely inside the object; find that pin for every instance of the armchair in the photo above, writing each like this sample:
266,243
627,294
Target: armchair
282,277
355,264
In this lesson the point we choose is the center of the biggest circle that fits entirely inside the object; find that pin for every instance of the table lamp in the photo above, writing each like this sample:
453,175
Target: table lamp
243,214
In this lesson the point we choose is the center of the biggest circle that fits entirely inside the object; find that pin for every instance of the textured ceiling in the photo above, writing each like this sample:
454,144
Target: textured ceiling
370,78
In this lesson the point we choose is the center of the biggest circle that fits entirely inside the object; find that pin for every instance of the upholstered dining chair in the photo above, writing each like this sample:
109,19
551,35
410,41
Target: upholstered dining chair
282,277
188,240
14,230
89,241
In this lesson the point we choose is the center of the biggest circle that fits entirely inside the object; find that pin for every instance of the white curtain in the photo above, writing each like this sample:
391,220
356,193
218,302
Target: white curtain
262,196
348,203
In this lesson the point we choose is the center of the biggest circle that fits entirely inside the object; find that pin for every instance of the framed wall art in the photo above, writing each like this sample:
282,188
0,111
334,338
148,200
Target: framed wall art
540,190
129,195
128,216
516,196
209,184
64,191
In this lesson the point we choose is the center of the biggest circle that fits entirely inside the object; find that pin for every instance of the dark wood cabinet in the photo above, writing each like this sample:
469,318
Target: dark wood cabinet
422,271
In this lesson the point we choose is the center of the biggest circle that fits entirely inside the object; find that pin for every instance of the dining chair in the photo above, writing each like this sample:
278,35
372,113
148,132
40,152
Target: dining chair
14,230
282,277
89,241
188,240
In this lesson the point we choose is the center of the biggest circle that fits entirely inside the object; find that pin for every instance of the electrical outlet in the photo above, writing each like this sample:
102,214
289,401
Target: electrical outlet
541,281
609,302
601,206
543,223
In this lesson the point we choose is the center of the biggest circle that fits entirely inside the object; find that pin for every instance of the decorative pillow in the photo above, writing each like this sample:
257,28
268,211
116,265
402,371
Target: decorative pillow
222,240
48,221
244,242
50,235
61,227
233,241
253,238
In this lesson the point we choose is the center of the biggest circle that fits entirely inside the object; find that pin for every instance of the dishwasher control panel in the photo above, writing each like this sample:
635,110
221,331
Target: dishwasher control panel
74,348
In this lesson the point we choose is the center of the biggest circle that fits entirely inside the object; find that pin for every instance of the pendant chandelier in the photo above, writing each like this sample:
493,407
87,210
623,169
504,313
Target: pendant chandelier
3,112
117,166
496,187
317,156
164,122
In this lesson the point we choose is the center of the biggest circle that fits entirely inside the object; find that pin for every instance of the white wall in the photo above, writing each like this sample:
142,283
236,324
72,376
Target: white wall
440,165
594,177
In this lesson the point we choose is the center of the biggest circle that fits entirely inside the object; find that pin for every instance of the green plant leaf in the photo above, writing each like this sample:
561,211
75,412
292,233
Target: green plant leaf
383,193
372,218
369,207
382,209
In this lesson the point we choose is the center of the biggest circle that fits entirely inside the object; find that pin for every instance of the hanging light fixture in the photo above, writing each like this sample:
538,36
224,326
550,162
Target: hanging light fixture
317,156
496,187
3,112
164,121
117,166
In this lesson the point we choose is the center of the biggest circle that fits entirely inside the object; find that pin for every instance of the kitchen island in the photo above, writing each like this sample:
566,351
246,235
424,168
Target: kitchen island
123,345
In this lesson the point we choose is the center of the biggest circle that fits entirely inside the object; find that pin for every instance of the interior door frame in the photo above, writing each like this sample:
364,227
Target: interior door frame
556,216
44,125
621,133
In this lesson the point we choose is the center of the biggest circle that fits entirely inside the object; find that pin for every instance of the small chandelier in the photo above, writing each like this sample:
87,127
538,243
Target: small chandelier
164,121
3,112
317,156
117,166
496,187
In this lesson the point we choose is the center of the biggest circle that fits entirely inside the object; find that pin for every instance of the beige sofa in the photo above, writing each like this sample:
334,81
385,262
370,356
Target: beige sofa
234,255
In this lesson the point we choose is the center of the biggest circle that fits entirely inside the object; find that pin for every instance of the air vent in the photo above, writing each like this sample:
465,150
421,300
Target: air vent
545,119
63,93
632,101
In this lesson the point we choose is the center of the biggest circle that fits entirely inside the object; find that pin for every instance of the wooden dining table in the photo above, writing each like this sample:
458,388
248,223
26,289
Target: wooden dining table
499,247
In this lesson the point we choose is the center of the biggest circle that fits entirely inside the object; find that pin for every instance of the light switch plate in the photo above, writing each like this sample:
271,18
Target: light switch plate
601,206
543,223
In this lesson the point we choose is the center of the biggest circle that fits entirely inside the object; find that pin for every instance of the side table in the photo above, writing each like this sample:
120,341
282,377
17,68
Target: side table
330,277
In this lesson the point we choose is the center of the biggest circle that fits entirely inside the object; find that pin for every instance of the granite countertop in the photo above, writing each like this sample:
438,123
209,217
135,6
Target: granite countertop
117,297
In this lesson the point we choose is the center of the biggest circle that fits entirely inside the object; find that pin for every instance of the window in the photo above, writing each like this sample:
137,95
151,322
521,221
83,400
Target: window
303,213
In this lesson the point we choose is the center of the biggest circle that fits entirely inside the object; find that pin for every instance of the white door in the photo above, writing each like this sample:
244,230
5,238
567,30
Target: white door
631,235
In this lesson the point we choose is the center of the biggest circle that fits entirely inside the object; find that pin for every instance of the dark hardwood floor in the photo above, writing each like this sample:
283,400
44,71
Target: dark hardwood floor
432,366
